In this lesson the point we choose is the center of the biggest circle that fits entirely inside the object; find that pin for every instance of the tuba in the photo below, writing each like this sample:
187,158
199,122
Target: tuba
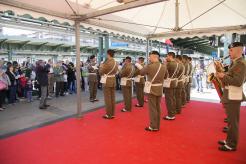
212,68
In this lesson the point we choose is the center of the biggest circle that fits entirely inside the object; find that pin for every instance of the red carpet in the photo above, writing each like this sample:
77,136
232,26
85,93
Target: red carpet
191,138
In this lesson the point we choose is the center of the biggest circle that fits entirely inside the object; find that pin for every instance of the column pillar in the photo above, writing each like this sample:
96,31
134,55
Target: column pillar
227,42
106,45
10,55
100,49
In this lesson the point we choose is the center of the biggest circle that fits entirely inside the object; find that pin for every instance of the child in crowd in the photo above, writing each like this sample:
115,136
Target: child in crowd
22,80
29,88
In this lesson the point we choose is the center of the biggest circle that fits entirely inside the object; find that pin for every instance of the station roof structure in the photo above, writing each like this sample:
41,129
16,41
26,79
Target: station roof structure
157,20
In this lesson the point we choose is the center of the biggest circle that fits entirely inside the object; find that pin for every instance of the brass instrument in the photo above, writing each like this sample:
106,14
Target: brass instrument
214,67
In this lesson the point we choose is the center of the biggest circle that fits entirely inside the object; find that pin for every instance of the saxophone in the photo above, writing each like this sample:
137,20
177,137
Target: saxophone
216,81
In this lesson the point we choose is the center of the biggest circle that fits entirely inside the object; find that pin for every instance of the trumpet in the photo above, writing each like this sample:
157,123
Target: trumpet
214,67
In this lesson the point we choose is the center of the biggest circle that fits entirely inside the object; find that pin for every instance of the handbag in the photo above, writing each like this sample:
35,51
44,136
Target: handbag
104,77
235,93
3,86
167,82
124,80
137,78
147,87
148,84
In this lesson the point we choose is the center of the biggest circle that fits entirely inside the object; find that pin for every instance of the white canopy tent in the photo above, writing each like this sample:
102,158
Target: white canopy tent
144,18
150,20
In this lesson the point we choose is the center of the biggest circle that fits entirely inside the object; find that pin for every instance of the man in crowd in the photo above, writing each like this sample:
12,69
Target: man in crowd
71,78
51,78
42,77
58,73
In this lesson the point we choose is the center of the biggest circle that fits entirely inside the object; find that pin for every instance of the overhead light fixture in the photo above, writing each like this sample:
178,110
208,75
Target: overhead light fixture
87,5
125,1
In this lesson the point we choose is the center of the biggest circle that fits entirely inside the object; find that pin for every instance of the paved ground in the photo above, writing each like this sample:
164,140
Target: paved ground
24,116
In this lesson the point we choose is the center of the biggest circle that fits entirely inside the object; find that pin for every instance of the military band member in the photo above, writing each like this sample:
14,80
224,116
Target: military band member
139,83
172,70
184,90
107,70
155,72
92,78
180,84
190,72
126,74
233,95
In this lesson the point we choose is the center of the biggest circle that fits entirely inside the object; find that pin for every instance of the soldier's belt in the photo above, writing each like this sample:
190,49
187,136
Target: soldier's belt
110,75
172,79
158,84
92,73
181,80
126,78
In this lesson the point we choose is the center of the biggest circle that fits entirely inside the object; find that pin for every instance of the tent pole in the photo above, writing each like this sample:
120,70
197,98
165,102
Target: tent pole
177,15
147,51
78,71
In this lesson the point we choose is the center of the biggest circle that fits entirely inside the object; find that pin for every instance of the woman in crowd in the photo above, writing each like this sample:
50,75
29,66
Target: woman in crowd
13,84
4,85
